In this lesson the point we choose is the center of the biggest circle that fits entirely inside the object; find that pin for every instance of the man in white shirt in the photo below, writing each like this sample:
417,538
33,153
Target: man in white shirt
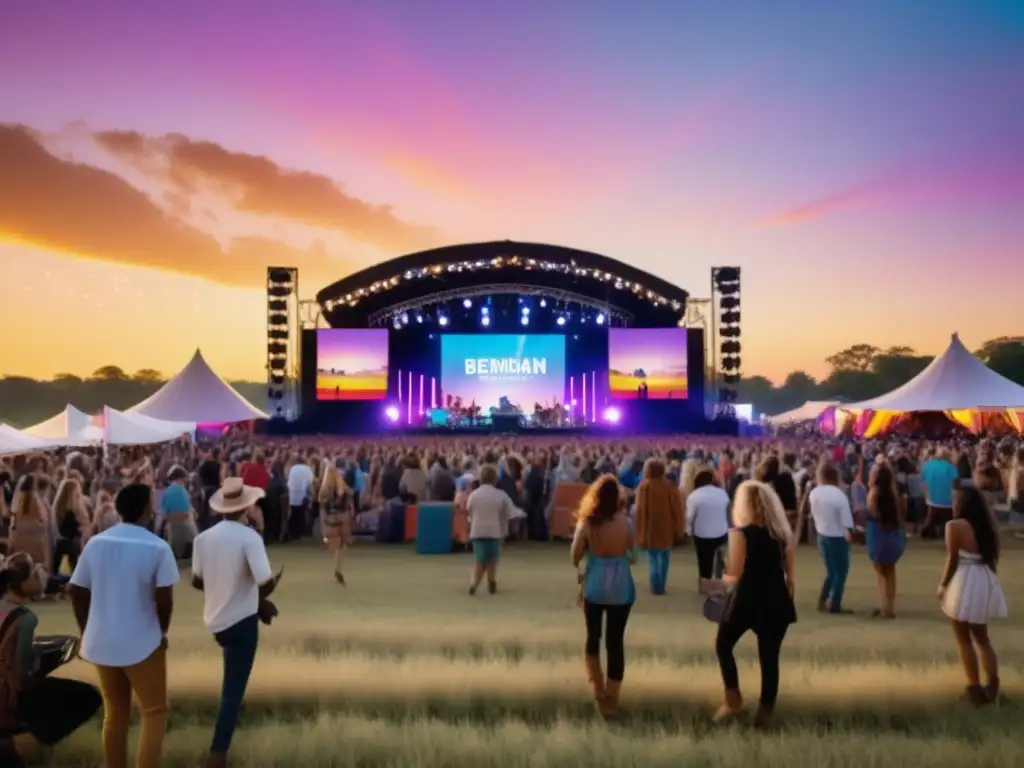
833,521
230,566
300,485
707,520
122,594
490,509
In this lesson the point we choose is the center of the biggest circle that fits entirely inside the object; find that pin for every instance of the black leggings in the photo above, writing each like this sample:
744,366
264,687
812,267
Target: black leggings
706,551
71,548
769,644
53,708
618,615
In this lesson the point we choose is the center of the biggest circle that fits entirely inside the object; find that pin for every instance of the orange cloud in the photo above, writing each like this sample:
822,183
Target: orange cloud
77,209
256,184
851,196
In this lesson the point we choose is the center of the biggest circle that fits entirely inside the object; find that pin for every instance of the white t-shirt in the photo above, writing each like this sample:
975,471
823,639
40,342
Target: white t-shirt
300,480
232,561
830,510
707,513
489,509
122,568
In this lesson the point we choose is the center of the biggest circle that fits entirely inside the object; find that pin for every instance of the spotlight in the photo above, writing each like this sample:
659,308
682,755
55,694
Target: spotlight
397,323
467,303
485,310
419,318
612,415
485,321
600,319
561,320
526,310
525,319
442,321
392,414
405,318
543,303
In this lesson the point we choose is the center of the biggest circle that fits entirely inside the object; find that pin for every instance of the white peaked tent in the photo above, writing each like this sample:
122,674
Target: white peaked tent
121,428
14,441
71,428
955,380
199,395
809,411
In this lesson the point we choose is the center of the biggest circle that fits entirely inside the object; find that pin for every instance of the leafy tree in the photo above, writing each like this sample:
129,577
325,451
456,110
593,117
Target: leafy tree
109,373
1005,356
148,375
859,357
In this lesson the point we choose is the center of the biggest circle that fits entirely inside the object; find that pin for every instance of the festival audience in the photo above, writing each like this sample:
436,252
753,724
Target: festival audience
490,510
31,522
760,575
231,568
122,594
335,518
939,474
604,535
659,515
300,492
885,534
177,514
707,520
833,523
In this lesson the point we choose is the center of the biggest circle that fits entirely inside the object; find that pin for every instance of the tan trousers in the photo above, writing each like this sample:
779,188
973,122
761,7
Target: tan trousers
148,680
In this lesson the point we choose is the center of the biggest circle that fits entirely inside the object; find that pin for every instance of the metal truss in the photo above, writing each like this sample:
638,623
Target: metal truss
382,316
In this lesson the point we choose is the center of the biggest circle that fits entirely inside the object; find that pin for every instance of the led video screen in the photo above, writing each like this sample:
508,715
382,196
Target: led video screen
655,357
351,364
526,369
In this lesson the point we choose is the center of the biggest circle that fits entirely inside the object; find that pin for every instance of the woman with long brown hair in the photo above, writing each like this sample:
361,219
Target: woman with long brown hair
605,536
73,524
659,515
335,512
970,593
31,527
885,534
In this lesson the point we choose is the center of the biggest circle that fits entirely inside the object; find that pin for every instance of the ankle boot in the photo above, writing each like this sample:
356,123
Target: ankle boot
733,705
992,689
595,675
976,696
764,717
609,704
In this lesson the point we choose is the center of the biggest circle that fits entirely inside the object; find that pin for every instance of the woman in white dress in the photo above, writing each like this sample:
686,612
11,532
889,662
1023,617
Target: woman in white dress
970,593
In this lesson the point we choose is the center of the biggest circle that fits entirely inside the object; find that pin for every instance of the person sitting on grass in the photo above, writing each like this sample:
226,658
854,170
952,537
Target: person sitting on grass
490,510
230,566
34,711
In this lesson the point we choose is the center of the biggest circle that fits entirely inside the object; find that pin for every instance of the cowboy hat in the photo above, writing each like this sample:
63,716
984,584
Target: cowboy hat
234,496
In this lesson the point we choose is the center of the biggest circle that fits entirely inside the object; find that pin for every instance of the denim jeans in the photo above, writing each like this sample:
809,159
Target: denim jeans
835,551
657,565
239,647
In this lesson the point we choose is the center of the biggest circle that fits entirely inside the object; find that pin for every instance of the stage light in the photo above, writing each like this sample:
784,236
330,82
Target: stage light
392,414
560,320
442,321
405,318
543,303
525,320
419,318
612,415
600,319
485,311
397,324
526,310
467,303
485,321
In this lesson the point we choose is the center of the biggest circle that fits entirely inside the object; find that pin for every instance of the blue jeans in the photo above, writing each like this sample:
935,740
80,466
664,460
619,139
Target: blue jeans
239,647
657,564
835,551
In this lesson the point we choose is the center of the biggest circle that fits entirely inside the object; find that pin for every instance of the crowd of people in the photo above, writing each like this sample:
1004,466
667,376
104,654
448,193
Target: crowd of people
128,521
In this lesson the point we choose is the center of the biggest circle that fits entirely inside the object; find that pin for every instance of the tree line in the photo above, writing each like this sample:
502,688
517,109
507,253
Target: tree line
857,373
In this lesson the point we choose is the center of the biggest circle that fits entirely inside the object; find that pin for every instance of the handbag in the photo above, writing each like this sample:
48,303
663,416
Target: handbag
718,607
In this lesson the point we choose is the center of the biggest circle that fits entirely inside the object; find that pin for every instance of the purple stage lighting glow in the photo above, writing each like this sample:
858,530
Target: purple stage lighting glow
392,414
612,415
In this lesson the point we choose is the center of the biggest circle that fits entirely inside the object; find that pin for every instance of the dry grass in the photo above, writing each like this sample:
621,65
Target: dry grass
403,668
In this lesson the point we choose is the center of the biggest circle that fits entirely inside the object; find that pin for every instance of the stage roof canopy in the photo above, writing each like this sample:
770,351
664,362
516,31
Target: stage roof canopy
372,296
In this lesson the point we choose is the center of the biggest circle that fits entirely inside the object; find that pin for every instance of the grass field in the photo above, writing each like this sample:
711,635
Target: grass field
658,387
403,669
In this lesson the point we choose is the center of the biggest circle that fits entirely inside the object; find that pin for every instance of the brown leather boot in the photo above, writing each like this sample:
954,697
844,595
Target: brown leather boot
595,675
976,696
217,760
992,690
609,705
764,717
733,706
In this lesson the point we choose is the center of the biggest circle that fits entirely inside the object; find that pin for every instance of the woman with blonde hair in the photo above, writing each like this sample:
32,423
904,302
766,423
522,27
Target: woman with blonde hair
759,580
335,516
72,520
659,515
604,535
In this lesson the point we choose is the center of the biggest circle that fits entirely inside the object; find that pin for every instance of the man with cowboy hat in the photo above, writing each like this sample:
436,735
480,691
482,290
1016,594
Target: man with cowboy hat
230,566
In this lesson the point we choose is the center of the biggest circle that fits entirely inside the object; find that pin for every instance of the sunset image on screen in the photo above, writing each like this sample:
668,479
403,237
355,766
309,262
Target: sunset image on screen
655,356
351,364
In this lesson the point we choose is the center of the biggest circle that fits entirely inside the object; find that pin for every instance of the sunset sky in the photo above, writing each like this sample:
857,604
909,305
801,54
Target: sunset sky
863,162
